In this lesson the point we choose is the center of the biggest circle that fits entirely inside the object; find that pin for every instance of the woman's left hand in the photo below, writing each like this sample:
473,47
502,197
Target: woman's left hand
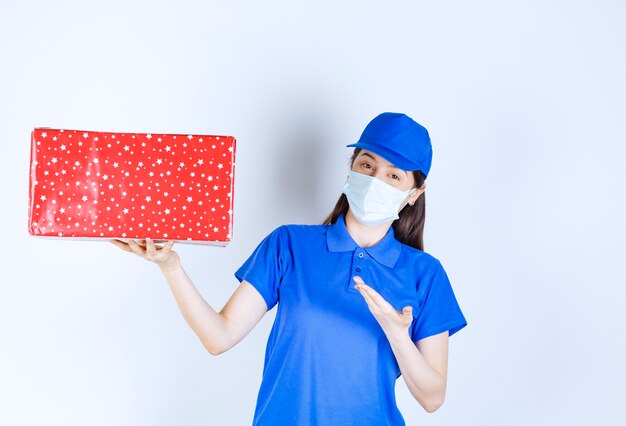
394,323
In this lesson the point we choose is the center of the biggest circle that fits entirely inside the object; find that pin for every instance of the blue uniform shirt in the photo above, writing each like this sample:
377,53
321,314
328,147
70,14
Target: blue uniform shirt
327,360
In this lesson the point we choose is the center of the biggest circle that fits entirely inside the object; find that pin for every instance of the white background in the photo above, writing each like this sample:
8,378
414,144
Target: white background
525,103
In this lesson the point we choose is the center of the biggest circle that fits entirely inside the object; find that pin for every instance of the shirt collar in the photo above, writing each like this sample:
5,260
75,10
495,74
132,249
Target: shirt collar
386,251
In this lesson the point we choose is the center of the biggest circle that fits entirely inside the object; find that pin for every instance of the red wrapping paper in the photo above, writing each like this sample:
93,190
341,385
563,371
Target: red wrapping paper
102,185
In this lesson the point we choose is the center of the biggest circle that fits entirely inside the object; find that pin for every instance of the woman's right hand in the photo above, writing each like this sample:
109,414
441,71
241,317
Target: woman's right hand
147,249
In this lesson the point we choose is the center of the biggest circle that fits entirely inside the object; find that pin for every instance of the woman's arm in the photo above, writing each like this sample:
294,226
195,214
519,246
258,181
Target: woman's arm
218,331
424,367
424,364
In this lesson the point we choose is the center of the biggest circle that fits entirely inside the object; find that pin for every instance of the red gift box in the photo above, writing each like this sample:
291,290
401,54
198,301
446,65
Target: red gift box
103,185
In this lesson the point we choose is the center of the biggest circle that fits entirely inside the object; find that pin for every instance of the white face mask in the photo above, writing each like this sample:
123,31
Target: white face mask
372,201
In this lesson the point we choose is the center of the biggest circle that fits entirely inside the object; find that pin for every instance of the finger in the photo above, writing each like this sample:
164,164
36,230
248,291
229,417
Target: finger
359,282
169,245
370,291
377,298
366,296
135,248
150,247
370,303
407,315
164,244
121,245
407,311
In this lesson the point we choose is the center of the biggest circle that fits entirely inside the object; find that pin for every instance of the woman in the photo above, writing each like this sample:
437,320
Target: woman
359,301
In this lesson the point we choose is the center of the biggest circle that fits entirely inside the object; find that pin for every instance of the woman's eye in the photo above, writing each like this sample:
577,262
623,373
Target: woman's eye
366,164
395,177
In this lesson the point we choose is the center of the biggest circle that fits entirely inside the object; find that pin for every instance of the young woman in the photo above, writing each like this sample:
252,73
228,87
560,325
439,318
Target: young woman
359,301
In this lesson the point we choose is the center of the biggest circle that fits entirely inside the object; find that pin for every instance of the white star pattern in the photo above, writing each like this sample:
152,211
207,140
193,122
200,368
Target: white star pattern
134,168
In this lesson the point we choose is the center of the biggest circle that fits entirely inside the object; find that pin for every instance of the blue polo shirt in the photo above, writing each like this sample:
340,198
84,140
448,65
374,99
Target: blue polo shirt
327,360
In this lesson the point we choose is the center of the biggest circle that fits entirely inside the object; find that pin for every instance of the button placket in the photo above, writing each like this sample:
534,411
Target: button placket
359,260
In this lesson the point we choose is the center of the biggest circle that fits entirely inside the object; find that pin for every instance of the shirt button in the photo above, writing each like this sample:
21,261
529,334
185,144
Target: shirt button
360,254
358,269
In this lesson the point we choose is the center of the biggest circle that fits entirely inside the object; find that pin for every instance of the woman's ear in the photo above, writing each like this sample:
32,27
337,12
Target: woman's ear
416,193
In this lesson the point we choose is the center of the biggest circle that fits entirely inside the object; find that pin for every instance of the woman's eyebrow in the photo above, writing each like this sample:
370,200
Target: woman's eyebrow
391,166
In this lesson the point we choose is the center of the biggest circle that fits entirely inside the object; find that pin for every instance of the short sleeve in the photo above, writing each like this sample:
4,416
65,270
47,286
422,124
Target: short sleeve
440,310
265,266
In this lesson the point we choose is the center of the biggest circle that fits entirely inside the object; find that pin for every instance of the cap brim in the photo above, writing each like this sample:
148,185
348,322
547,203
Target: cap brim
389,155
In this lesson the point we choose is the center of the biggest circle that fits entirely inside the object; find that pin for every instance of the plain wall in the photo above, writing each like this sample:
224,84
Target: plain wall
525,103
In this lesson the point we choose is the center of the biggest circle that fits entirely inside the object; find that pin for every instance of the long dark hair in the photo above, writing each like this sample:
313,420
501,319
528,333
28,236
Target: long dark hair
409,228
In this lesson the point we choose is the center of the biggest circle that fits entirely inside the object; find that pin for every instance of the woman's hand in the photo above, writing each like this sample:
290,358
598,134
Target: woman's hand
394,323
147,249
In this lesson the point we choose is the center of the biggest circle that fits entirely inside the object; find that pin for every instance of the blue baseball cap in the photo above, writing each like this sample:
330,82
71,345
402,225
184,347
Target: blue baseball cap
398,139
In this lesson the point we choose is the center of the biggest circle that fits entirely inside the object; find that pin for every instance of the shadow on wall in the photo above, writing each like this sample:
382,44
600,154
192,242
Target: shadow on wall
301,142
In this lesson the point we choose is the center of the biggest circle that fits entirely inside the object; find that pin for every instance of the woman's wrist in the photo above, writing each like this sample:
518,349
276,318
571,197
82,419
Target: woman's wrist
398,338
170,265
